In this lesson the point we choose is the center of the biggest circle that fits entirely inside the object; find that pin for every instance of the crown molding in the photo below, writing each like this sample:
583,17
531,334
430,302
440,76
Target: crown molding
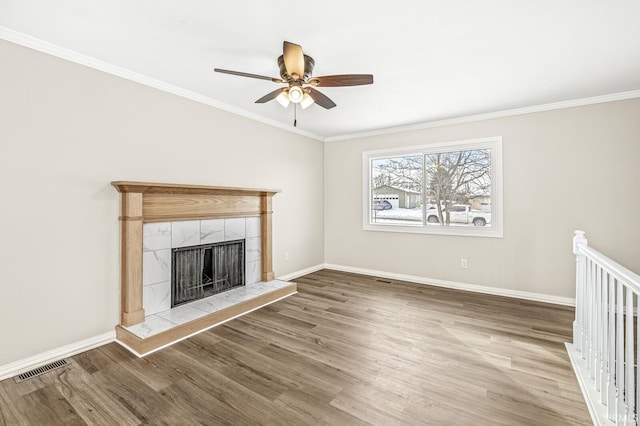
79,58
489,116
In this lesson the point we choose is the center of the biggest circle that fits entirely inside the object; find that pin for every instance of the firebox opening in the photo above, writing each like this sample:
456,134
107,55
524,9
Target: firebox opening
204,270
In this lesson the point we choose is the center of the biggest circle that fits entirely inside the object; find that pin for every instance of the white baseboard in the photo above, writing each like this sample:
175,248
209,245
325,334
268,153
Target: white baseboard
302,272
538,297
12,369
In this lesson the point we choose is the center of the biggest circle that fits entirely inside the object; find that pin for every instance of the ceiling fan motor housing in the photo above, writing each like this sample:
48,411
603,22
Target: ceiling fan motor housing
309,63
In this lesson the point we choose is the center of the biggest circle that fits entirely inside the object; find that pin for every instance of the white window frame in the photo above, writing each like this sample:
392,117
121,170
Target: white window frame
493,143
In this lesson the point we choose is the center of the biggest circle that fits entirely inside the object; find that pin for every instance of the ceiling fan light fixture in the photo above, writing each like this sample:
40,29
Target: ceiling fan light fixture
283,98
306,101
295,94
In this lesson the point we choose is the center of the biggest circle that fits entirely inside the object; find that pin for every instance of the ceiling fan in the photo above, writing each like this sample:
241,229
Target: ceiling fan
296,70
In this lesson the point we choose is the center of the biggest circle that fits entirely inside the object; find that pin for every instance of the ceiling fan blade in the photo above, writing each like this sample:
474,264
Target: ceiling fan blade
269,96
343,80
293,59
320,98
246,74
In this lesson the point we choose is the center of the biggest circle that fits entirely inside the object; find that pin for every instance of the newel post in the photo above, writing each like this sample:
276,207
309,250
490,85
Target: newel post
579,240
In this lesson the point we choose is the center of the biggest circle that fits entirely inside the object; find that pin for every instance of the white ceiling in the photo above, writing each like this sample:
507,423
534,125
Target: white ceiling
431,60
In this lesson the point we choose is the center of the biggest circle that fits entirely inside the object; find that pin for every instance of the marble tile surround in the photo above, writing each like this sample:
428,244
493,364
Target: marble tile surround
165,320
160,237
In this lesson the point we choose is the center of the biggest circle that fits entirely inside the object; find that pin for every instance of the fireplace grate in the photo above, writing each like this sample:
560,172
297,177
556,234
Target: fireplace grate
41,370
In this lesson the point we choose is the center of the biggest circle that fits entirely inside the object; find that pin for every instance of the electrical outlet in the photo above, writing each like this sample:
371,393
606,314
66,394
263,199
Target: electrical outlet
286,257
463,263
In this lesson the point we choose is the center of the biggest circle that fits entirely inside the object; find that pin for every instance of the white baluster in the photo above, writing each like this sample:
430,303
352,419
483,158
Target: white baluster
611,389
637,362
620,411
585,312
591,342
597,323
604,373
629,396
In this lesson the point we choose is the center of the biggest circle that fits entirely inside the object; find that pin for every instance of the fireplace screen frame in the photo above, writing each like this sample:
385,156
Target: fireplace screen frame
203,270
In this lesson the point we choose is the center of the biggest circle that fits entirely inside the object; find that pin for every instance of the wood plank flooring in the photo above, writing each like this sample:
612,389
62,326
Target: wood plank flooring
346,350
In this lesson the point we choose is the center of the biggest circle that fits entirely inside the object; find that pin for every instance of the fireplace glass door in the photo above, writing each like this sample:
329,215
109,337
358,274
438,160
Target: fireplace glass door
205,270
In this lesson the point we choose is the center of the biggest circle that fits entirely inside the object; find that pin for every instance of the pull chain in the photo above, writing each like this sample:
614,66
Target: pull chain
295,115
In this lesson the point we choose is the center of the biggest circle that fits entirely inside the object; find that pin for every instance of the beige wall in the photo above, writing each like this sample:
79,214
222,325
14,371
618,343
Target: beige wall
66,131
575,168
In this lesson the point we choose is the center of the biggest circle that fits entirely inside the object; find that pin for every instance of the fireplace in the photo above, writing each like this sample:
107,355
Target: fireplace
183,208
204,270
169,227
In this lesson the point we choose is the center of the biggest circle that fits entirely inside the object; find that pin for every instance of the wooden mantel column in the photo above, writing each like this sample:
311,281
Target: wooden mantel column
267,238
131,311
143,202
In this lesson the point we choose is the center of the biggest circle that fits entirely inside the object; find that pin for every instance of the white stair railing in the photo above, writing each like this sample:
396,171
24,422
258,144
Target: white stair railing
606,333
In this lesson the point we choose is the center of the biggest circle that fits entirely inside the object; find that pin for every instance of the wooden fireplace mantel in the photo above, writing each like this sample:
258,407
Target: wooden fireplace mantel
162,202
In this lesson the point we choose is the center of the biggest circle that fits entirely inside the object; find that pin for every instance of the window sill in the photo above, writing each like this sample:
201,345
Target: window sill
436,230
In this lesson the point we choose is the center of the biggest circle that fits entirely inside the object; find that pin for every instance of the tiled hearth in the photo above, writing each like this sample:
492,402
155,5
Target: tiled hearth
168,327
166,320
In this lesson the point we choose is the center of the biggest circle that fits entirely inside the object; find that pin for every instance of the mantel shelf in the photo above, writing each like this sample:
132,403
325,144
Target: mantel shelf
171,188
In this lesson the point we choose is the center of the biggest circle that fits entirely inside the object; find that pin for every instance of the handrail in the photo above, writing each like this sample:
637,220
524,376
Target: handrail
629,277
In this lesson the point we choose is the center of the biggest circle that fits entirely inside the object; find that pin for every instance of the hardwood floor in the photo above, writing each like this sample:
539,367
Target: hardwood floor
347,349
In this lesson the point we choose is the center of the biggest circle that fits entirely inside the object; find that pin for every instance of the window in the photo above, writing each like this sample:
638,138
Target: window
450,188
397,190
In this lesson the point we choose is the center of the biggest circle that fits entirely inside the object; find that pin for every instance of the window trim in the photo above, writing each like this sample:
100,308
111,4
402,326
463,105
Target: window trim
493,143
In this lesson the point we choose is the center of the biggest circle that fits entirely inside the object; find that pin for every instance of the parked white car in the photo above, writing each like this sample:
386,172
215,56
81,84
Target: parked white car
460,213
